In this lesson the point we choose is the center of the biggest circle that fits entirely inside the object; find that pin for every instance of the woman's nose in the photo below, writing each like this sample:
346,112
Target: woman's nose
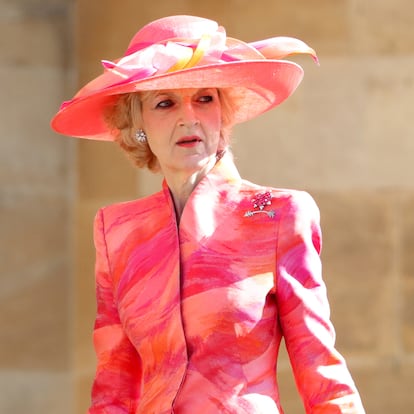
188,114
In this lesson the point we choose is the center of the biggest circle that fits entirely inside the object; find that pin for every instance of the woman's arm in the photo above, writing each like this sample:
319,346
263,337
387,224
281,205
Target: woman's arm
117,382
321,375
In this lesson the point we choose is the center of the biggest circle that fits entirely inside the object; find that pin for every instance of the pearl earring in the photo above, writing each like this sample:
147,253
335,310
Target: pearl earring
140,136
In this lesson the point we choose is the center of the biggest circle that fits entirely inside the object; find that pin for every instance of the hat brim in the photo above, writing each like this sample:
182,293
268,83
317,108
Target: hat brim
254,86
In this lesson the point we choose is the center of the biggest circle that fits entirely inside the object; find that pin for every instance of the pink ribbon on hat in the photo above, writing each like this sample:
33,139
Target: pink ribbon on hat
179,54
174,55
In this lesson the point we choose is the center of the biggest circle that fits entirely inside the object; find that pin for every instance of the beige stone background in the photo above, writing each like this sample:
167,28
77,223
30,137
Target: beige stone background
346,136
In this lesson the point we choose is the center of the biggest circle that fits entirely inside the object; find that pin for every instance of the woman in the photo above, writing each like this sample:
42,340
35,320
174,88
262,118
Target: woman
197,283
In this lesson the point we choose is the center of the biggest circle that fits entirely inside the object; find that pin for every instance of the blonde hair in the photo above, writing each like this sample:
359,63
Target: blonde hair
124,119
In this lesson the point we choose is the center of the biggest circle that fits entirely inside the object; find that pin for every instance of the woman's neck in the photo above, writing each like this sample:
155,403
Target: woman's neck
182,185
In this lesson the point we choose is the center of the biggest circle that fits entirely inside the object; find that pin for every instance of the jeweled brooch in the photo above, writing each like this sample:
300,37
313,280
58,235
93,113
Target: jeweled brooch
260,201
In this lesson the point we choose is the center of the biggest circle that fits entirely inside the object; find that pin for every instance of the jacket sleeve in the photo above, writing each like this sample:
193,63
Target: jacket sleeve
116,385
320,372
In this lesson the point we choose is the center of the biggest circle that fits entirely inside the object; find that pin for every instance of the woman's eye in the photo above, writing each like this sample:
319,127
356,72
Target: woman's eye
166,103
205,98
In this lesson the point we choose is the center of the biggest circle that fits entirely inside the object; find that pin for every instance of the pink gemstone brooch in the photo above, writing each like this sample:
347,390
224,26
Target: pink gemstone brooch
260,201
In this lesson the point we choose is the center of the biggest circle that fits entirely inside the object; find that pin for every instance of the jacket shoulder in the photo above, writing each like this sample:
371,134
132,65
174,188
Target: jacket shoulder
127,210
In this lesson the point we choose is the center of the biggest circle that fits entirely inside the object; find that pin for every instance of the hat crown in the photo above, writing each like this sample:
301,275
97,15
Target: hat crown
171,27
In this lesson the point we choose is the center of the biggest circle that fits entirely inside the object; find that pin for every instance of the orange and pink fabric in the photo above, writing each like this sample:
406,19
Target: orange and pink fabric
190,315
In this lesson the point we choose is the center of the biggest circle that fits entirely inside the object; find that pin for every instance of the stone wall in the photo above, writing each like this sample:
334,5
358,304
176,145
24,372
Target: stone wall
35,210
345,136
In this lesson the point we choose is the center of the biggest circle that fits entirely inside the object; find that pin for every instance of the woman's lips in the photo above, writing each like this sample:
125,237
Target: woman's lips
189,141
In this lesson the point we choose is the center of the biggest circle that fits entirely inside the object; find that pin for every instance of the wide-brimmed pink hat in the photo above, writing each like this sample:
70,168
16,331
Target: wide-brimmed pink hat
187,52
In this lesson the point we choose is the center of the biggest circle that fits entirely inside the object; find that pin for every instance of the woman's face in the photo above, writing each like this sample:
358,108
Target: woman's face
182,127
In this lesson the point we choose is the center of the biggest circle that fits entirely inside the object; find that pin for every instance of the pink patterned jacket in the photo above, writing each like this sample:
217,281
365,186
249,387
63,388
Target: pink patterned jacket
190,316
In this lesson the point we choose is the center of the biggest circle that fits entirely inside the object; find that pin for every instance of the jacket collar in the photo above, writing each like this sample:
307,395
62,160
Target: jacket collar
205,207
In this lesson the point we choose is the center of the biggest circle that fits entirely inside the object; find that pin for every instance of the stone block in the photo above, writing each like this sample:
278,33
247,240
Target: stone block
345,127
35,341
387,387
83,388
41,41
323,24
35,393
385,140
358,259
383,27
34,231
97,22
407,263
31,154
104,172
35,322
